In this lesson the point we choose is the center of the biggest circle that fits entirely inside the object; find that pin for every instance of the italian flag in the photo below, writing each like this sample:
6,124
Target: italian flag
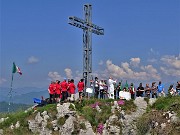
16,69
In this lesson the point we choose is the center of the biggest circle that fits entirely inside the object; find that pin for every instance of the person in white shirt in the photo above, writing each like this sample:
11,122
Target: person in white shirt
101,88
111,87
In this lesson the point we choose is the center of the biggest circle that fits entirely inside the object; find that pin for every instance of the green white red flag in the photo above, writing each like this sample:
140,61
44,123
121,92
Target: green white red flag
16,69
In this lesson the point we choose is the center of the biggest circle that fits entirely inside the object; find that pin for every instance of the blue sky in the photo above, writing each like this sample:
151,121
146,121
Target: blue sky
141,41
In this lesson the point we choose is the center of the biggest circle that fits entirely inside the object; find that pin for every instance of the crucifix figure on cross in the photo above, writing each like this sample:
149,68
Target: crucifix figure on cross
88,29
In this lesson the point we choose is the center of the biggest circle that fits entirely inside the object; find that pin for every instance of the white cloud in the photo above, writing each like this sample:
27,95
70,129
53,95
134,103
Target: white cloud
54,76
101,62
68,72
33,59
171,65
124,71
2,80
135,61
171,61
170,71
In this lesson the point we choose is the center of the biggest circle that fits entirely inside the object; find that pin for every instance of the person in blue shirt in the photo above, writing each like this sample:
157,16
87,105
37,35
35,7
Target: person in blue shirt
160,89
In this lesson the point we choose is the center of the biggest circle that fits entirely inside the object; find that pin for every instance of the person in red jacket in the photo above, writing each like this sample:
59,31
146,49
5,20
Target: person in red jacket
58,91
64,87
72,89
51,91
80,87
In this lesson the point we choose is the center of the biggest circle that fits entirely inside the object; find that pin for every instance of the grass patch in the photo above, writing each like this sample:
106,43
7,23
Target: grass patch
49,108
129,106
82,126
71,107
14,117
147,100
143,125
168,103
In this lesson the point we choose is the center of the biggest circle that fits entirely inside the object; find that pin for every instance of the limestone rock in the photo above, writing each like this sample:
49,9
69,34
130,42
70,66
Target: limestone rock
1,132
17,125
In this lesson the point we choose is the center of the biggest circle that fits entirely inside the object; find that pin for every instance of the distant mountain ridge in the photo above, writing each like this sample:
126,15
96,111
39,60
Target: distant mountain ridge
23,95
13,107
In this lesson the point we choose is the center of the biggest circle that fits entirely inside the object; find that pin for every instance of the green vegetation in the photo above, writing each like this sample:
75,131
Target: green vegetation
61,121
71,107
20,116
82,126
88,111
129,106
171,103
155,113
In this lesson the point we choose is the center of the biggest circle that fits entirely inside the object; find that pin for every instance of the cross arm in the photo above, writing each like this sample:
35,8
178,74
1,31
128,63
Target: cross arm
80,23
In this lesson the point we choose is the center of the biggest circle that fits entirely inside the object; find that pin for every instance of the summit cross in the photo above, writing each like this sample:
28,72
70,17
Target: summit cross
88,28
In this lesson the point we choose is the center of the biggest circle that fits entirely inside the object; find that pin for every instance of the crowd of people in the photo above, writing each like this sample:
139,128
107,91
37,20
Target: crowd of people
65,90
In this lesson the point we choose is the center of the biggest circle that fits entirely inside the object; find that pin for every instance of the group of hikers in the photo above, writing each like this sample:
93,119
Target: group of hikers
65,90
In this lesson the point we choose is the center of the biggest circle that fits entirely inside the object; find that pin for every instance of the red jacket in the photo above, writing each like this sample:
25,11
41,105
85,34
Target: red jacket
58,88
64,86
80,86
131,90
72,88
51,89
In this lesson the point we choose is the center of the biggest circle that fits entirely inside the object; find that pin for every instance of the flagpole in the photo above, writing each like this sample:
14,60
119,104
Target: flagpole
10,92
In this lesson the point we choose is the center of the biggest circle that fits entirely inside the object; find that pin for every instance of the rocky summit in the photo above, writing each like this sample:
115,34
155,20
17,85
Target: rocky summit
141,116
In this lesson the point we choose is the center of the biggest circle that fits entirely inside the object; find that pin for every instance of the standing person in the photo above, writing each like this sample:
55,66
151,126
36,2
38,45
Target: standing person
101,88
80,87
171,90
51,91
68,93
147,91
96,87
154,90
58,91
132,90
118,89
64,87
111,87
105,89
72,89
160,89
178,88
140,91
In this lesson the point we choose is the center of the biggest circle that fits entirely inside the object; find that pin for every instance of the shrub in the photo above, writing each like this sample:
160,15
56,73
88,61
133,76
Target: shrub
168,103
82,126
143,125
61,121
71,107
129,106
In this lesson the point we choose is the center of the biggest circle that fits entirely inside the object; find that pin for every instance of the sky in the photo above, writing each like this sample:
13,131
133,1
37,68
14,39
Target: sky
141,41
